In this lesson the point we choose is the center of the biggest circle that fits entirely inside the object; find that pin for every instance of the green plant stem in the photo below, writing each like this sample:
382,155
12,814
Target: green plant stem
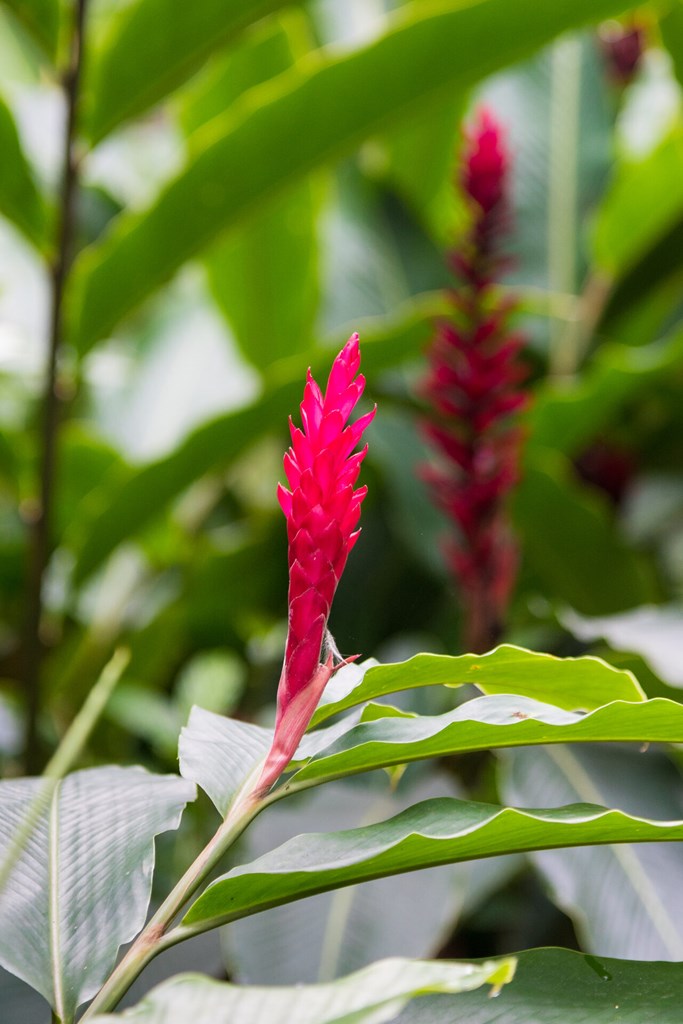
154,938
41,518
65,756
563,192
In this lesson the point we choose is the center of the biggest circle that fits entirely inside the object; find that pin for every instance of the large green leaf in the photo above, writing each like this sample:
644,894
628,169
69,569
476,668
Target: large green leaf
20,200
81,880
41,20
153,46
434,832
327,107
559,986
334,933
570,683
625,901
483,724
264,277
370,996
571,542
120,510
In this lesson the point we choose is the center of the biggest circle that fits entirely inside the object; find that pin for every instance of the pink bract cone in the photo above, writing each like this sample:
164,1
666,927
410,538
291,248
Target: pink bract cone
322,511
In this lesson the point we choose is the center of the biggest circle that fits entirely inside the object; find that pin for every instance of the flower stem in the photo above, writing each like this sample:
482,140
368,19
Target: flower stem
150,941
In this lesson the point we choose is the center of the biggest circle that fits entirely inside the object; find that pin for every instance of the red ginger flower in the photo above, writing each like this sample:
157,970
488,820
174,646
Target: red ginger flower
322,511
472,388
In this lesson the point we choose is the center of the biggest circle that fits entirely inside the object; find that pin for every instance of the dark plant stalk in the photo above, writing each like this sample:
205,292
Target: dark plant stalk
41,520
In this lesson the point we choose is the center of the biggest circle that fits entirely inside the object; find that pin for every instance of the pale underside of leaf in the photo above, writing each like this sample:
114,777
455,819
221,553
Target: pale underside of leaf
370,996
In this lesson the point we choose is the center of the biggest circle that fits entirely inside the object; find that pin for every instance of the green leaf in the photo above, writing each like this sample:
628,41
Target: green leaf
571,542
20,200
643,202
82,879
671,28
328,106
434,832
559,986
654,632
220,753
152,47
329,935
264,277
570,683
625,901
119,511
41,19
567,415
483,724
371,996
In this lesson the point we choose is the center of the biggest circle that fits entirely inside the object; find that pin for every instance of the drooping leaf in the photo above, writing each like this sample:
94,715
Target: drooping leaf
82,876
332,934
487,723
328,107
569,683
559,986
371,996
153,46
625,901
119,510
20,200
434,832
41,19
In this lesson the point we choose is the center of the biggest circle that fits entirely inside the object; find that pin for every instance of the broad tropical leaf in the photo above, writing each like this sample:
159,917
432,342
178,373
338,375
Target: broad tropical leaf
334,933
435,832
138,63
370,996
328,107
83,853
559,986
483,724
569,683
626,901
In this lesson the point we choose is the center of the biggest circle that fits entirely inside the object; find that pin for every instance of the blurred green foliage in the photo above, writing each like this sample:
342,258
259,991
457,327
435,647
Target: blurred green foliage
254,181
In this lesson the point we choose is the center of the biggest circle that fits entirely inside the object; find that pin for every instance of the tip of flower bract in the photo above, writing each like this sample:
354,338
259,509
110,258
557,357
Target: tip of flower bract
485,161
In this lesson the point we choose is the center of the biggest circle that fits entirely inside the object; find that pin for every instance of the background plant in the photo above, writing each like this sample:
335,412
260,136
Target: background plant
235,194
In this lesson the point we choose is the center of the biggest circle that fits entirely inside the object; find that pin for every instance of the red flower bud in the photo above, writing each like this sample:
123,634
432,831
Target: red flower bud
322,511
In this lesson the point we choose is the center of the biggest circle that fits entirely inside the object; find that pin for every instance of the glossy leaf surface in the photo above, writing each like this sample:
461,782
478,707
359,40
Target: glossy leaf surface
569,683
438,831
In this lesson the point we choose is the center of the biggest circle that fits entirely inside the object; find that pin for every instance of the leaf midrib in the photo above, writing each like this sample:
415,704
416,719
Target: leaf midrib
53,904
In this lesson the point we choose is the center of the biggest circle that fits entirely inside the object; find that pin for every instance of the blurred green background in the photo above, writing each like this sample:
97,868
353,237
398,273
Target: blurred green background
252,182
